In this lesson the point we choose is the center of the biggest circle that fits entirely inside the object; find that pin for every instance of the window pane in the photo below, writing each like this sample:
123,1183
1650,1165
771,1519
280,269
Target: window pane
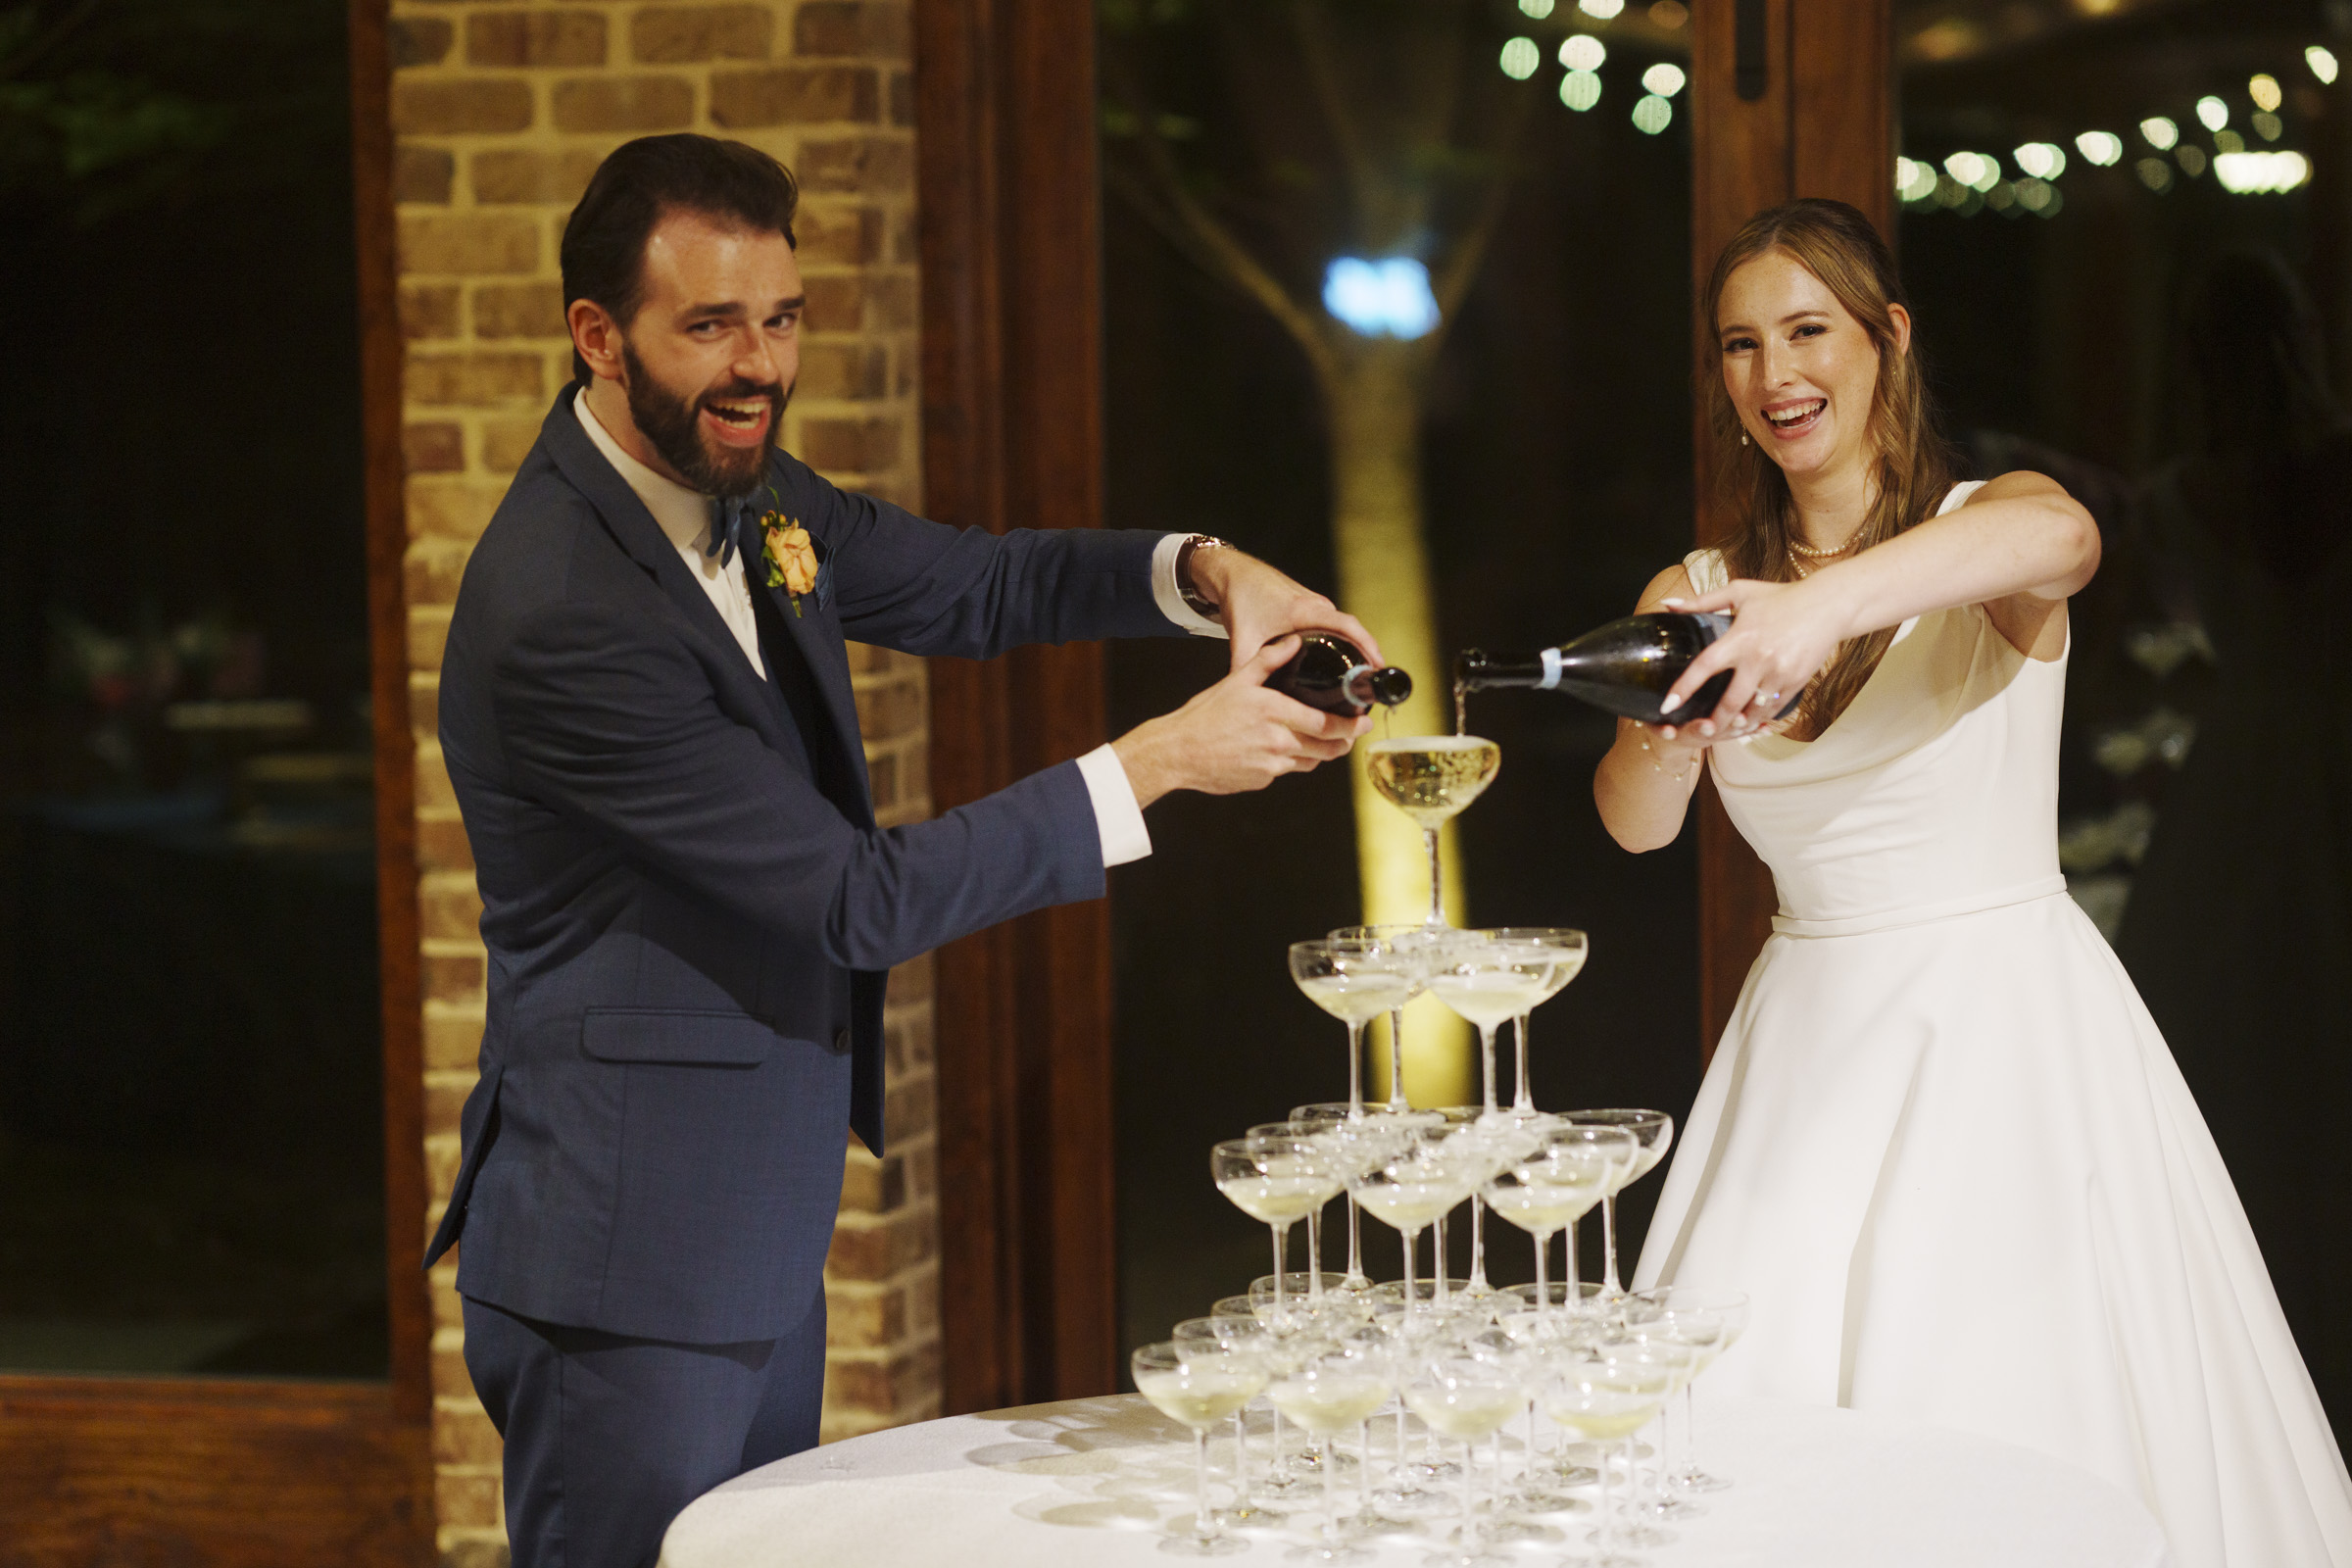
2125,231
190,1103
1551,433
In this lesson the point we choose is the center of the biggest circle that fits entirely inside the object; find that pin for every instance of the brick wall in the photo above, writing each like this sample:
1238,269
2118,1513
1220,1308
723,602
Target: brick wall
500,113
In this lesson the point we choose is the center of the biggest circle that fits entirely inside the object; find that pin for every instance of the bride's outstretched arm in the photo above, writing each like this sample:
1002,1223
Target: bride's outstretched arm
2020,547
1644,784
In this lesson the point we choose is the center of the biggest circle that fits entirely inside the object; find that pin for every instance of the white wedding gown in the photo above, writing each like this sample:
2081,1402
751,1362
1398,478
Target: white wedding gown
1942,1147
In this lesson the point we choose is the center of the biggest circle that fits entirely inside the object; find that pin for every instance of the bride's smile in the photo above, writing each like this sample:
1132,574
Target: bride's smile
1800,369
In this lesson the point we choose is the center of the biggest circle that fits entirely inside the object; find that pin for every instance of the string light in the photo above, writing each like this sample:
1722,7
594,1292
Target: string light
1665,79
1581,51
2267,125
1914,182
1604,10
1387,298
2260,174
2212,113
2160,132
1538,9
2101,147
2322,61
1979,171
1520,58
1580,90
2155,173
1652,115
2040,158
2264,90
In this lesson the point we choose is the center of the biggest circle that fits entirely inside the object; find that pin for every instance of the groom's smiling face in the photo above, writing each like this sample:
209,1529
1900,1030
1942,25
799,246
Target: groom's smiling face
709,361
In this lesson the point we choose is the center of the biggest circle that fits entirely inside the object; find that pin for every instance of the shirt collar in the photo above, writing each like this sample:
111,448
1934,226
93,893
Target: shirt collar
684,515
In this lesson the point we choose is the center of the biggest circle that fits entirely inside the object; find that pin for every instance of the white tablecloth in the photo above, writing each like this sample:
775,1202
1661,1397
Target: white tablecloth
1094,1481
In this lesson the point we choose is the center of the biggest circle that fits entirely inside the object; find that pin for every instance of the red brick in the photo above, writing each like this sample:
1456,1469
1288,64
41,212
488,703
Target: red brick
882,781
910,1108
429,310
902,98
851,446
460,108
452,914
625,103
857,165
419,40
836,303
469,242
453,976
423,174
844,370
877,1251
849,27
466,1502
911,982
535,37
865,1320
896,304
508,176
432,448
424,704
473,380
679,35
464,1436
794,95
443,1105
451,1042
871,1185
442,847
518,310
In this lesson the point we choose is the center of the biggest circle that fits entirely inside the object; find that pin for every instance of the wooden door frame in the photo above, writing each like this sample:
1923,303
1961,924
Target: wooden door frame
1819,122
1012,433
252,1473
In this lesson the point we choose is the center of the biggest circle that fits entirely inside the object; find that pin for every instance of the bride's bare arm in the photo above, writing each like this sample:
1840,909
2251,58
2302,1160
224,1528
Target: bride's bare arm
1644,783
2020,547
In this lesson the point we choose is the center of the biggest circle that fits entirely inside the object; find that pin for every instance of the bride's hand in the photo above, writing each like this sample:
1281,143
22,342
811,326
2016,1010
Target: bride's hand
1780,636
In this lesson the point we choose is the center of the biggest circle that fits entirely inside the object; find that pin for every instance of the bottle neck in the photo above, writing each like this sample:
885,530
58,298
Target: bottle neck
1370,684
1481,673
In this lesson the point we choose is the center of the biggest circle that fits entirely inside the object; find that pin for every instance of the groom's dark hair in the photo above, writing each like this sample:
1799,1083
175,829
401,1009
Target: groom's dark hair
602,254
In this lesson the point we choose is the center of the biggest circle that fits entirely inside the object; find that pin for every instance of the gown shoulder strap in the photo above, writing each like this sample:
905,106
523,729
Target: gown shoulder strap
1957,497
1707,571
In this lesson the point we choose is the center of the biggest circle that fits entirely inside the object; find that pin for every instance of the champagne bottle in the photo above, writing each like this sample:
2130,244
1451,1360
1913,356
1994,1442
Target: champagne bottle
1626,666
1331,673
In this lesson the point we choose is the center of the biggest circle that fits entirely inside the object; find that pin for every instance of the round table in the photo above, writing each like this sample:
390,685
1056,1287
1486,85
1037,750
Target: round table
1096,1481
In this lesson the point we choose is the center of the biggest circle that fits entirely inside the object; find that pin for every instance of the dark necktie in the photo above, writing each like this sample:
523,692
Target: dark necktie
728,515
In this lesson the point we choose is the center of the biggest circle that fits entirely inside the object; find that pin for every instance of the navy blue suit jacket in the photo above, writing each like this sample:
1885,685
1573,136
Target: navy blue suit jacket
689,909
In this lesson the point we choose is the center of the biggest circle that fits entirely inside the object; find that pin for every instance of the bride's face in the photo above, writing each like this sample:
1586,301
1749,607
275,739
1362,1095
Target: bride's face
1800,369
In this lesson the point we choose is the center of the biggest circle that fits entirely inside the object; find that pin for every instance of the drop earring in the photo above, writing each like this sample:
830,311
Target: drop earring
1744,438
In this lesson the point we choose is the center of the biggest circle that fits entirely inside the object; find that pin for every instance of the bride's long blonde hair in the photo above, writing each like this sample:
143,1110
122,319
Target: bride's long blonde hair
1838,245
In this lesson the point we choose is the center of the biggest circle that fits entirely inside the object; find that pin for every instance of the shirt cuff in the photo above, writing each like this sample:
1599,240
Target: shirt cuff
1117,817
1171,599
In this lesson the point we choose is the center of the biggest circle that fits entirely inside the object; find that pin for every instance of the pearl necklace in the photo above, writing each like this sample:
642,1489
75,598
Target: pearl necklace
1800,554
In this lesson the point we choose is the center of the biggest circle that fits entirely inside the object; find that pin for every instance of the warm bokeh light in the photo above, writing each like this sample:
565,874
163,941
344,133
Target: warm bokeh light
2155,173
2101,147
1520,58
1581,51
1665,79
2322,61
2040,158
1603,9
1538,9
1979,171
2264,90
2260,174
1653,114
1914,182
1580,90
2212,113
1669,13
2191,161
2160,132
2267,125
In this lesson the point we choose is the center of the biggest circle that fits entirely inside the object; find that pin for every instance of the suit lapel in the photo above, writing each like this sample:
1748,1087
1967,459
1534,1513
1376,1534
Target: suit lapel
814,635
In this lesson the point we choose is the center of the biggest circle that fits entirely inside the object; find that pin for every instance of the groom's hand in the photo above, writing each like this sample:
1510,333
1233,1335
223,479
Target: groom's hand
1257,604
1235,736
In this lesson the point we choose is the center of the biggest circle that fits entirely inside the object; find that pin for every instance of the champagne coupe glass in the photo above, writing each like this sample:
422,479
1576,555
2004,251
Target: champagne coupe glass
1678,1352
1569,949
1653,1130
1490,982
1247,1334
1354,980
1282,1334
1486,1147
1278,1181
1411,941
1330,1391
1199,1385
1343,1157
1467,1400
1694,1306
1605,1401
1553,1187
1671,1366
1408,1192
1360,1141
1430,778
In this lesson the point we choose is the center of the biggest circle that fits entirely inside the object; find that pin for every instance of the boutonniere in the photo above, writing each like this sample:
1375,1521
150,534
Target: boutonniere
790,555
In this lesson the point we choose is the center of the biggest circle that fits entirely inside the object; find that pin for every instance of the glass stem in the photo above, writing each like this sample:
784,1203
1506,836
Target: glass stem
1397,1099
1471,1541
1412,1302
1436,1261
1608,1247
1691,1430
1355,1072
1331,1491
1485,1053
1356,1278
1201,1529
1314,1254
1478,1246
1282,1237
1241,1464
1606,1534
1526,1097
1437,889
1544,1313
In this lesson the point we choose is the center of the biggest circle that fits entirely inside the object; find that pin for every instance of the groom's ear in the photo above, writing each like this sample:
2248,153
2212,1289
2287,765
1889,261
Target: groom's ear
595,339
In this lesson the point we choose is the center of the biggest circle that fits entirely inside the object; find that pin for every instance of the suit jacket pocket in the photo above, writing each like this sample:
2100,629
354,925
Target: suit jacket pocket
684,1035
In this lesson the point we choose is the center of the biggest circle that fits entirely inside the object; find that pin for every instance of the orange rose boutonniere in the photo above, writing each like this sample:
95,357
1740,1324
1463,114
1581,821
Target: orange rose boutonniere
790,555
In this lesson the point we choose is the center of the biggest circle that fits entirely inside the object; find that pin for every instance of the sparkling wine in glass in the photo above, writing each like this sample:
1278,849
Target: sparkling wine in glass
1277,1180
1430,778
1604,1400
1248,1335
1568,948
1329,1394
1489,983
1551,1189
1653,1130
1198,1384
1356,981
1693,1310
1410,1192
1468,1399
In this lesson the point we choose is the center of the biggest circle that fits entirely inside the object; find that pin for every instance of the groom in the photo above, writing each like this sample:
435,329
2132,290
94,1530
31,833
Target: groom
690,912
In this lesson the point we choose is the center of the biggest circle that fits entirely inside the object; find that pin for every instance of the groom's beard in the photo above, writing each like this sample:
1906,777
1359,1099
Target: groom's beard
672,421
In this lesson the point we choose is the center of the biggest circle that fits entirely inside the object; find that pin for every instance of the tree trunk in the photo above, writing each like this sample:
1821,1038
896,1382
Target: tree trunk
1373,391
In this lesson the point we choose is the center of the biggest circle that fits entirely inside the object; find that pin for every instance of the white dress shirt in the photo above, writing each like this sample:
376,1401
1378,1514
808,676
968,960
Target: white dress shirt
684,518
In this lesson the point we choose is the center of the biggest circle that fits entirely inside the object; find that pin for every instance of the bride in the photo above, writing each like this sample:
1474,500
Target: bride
1941,1144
